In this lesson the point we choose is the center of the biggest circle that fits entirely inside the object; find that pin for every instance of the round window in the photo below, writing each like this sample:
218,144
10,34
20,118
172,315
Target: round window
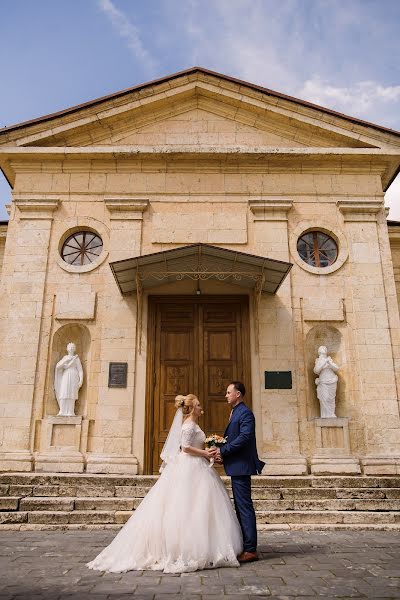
317,249
82,248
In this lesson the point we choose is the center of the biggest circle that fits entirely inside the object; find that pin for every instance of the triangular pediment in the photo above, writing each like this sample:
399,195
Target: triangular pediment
199,107
200,120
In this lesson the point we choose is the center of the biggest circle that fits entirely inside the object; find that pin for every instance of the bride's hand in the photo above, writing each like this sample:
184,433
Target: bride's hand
209,453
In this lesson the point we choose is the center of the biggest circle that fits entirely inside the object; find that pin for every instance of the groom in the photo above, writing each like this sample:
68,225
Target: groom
240,459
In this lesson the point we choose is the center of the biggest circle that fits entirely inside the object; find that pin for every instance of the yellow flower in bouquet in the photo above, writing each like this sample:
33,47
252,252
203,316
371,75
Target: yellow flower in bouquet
214,440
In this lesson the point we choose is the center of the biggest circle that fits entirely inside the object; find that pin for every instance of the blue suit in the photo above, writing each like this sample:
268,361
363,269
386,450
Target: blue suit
240,462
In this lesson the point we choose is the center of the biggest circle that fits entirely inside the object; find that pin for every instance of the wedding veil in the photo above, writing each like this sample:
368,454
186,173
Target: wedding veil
173,442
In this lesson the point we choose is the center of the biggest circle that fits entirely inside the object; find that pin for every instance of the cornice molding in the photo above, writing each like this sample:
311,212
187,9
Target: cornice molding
274,209
36,209
127,208
356,210
129,151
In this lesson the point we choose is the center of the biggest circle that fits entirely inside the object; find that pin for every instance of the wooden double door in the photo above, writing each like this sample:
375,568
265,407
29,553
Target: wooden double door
195,345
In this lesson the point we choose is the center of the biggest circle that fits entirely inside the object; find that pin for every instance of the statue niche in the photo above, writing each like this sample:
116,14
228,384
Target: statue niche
80,336
330,338
68,379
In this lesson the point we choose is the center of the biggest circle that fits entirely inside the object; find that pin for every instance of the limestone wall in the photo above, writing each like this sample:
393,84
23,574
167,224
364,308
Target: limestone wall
3,233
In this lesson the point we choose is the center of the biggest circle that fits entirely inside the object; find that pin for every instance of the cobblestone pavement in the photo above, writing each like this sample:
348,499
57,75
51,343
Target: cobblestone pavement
307,565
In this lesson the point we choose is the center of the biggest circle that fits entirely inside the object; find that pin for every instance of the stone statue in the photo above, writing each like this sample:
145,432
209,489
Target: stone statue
68,379
326,383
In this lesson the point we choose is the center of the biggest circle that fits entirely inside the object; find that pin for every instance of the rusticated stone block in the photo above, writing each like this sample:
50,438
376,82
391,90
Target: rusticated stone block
54,490
48,517
13,517
9,503
392,493
368,517
273,504
381,505
44,527
122,516
131,491
346,482
308,493
4,490
324,505
104,504
20,490
93,491
388,482
280,482
141,480
262,494
300,517
56,504
79,516
360,493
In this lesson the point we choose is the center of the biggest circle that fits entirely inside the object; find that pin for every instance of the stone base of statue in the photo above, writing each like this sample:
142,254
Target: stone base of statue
285,465
18,461
118,464
332,448
60,445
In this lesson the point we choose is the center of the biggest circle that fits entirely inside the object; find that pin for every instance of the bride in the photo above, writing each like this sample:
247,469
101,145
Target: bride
186,522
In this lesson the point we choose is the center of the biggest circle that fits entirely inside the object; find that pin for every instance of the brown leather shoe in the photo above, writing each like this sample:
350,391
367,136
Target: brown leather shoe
246,557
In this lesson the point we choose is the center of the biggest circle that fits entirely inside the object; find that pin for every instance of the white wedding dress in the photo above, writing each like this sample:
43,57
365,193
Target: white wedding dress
185,523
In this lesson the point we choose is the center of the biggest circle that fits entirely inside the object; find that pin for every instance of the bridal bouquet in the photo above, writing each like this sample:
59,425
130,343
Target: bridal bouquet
214,440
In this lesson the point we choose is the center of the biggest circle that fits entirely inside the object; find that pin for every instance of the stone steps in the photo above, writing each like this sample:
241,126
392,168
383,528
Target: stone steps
37,503
257,493
33,500
110,517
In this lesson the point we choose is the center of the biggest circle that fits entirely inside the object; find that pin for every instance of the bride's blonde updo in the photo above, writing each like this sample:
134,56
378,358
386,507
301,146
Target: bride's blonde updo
185,403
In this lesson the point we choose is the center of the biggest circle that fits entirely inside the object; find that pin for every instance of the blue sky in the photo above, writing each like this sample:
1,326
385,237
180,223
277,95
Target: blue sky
343,54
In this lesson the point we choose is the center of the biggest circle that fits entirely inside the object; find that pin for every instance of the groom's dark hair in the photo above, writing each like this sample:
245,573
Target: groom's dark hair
239,386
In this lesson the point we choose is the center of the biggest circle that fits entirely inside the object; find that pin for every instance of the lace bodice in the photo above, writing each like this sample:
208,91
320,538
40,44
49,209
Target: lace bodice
192,435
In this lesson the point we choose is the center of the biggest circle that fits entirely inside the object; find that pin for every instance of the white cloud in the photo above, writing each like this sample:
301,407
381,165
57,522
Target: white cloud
127,30
366,99
244,38
392,199
276,48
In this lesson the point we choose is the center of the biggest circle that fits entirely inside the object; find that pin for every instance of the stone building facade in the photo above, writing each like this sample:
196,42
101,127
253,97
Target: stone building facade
199,189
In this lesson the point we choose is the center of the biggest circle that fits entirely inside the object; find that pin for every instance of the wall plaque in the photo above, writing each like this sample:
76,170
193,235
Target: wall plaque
278,380
118,375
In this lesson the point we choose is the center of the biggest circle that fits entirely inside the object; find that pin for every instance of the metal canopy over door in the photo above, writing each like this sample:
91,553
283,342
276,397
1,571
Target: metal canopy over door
196,345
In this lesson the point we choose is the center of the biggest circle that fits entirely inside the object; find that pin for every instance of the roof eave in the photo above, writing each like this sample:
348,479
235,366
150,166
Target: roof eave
190,71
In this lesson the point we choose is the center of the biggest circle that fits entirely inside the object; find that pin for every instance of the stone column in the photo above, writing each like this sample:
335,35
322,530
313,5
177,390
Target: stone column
374,320
23,287
112,432
280,442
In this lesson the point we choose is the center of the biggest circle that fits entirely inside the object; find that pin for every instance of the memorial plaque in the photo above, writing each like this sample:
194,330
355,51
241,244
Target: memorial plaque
118,375
278,380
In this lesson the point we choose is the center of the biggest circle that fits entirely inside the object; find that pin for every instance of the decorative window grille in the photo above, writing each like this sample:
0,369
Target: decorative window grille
82,248
317,249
